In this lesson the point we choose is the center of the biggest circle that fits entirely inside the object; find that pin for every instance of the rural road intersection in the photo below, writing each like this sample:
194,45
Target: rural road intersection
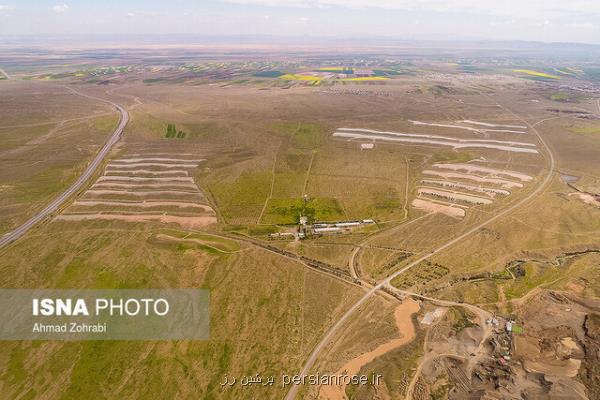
292,393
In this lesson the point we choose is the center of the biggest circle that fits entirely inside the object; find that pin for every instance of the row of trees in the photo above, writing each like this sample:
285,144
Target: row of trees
173,133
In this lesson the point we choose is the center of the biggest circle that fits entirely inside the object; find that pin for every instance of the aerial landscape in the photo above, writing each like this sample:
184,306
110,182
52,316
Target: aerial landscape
372,216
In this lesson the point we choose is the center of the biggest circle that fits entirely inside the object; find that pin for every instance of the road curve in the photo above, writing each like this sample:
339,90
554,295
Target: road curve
89,171
291,395
482,314
352,261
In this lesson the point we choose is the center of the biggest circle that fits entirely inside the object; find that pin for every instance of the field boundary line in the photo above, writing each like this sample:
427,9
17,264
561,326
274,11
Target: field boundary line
271,193
312,159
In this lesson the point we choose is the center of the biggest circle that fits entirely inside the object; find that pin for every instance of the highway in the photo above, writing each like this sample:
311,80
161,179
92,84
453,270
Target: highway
89,171
292,393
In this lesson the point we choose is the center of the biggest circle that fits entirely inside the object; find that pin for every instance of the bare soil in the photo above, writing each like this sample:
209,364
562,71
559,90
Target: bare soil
403,315
429,206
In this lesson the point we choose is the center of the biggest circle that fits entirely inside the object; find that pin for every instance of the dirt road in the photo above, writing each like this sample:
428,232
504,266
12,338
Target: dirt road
403,316
386,282
352,263
482,316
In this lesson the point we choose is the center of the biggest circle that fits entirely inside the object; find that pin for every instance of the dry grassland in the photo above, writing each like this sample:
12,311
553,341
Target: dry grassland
262,151
270,327
44,146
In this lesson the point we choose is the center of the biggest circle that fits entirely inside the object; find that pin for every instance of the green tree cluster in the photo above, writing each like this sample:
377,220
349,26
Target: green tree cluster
173,133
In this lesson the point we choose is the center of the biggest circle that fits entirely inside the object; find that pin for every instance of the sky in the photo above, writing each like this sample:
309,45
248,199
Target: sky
534,20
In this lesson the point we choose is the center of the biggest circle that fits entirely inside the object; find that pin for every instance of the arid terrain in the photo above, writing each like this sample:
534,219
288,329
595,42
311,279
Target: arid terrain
431,219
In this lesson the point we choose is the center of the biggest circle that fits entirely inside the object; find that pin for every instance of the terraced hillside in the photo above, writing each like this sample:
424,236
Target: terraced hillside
453,192
141,187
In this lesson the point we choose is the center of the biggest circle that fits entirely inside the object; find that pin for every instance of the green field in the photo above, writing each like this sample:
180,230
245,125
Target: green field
288,211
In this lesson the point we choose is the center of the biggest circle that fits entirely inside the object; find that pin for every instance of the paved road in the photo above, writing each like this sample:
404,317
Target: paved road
89,171
339,323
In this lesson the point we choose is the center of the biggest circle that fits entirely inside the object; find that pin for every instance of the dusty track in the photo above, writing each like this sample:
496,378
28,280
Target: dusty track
352,264
403,316
481,314
262,212
386,282
78,184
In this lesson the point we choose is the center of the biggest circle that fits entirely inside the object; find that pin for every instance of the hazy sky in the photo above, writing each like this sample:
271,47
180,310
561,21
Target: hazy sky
544,20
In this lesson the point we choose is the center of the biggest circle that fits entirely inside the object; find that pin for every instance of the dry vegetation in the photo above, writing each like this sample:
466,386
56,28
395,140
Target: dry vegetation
44,145
165,212
270,328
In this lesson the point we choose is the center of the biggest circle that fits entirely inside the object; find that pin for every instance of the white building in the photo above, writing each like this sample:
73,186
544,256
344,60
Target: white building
327,230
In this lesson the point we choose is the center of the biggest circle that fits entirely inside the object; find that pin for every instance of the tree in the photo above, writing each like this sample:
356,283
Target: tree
171,131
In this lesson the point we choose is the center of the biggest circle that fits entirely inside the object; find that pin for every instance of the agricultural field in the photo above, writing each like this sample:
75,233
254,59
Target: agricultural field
536,74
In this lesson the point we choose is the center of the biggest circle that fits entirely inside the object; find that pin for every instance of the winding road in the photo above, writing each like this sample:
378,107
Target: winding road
87,173
353,264
472,360
292,393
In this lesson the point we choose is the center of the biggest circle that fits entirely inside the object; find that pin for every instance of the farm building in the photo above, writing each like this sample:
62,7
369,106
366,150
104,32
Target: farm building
327,230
